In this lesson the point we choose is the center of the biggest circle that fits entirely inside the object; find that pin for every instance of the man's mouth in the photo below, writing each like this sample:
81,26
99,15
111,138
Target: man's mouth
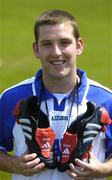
57,62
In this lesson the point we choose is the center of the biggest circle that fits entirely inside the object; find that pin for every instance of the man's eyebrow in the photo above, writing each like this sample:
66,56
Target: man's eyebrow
61,39
44,40
67,38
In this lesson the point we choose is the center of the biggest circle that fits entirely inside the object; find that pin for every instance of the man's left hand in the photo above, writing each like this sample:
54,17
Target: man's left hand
87,170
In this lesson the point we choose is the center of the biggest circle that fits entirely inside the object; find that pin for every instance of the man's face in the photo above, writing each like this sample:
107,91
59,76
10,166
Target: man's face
57,49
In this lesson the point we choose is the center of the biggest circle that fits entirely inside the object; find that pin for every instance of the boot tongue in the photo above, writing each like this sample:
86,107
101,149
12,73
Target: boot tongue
69,143
45,139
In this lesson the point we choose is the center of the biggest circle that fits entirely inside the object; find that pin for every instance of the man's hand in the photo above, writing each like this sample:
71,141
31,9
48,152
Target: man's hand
88,171
28,164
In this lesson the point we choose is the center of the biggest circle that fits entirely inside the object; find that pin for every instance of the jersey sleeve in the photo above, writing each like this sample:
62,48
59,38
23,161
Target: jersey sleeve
6,124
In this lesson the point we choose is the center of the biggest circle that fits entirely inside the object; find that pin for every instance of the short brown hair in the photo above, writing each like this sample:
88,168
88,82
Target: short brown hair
54,17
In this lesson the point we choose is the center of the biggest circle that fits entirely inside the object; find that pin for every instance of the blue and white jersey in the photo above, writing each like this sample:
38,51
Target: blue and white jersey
11,134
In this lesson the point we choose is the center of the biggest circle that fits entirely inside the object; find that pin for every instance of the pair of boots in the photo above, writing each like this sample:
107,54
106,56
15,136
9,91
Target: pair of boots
76,141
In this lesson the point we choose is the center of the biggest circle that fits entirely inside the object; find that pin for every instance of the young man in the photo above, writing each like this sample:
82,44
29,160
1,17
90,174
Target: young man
57,45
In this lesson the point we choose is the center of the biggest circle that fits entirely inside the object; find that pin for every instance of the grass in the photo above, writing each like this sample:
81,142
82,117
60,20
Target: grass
17,61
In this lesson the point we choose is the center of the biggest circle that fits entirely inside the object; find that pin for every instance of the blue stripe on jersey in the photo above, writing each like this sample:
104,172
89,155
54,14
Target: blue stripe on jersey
59,107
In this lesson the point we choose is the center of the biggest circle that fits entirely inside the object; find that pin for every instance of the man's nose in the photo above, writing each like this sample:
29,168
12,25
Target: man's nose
57,50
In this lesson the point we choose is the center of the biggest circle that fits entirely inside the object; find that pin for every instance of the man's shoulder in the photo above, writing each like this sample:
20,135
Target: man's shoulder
19,88
99,88
99,94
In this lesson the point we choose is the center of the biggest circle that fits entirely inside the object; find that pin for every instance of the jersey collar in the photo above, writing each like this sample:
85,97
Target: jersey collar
82,87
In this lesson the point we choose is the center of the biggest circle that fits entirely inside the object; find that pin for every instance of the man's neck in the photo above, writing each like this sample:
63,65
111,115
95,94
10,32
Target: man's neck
60,85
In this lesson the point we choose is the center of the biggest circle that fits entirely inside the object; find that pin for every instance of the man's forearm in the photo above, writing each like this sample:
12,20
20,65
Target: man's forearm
7,162
108,167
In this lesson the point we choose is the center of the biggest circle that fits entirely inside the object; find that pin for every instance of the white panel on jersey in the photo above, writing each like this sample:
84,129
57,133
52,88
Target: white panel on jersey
20,145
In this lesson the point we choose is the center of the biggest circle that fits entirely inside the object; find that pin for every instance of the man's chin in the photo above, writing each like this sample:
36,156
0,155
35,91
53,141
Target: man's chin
60,75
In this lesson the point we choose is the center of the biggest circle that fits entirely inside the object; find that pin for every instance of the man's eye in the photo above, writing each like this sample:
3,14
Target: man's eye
65,43
46,44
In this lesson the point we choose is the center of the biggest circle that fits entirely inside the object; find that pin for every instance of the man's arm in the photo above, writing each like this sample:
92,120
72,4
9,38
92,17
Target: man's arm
93,169
27,164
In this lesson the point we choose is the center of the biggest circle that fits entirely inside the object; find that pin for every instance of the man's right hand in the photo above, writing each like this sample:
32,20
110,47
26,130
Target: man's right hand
27,164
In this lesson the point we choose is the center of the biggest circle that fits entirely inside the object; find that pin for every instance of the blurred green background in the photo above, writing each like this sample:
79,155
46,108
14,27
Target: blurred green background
17,61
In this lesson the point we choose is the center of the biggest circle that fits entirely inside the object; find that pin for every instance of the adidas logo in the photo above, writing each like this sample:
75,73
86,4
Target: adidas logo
46,145
46,139
66,151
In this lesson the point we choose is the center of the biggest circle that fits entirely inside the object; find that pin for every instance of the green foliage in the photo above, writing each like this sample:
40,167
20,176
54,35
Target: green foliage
17,17
5,176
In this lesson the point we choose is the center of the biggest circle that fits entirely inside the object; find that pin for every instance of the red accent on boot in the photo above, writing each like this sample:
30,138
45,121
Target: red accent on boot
105,119
69,143
45,139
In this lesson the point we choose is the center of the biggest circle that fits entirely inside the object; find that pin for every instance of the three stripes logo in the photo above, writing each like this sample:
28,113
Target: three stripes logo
46,145
66,151
91,131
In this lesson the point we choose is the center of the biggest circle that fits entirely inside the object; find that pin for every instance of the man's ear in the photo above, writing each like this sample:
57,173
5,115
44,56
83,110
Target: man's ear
79,46
35,49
